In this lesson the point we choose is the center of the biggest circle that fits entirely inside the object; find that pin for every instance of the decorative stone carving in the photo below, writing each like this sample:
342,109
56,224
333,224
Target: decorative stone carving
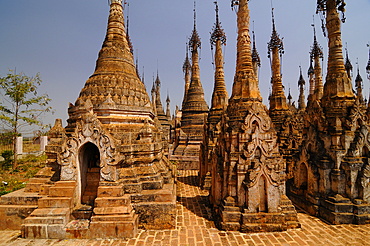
88,129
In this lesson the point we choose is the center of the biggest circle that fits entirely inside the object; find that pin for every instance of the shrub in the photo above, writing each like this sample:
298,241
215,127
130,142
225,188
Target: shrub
8,159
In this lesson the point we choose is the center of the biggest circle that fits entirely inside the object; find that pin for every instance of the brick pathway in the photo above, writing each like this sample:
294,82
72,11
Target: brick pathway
194,227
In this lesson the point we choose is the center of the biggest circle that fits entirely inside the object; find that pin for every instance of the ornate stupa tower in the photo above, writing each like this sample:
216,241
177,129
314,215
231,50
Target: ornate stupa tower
338,87
186,68
218,105
110,153
256,60
248,175
311,78
168,109
194,113
278,103
301,83
331,173
348,65
317,55
358,85
165,125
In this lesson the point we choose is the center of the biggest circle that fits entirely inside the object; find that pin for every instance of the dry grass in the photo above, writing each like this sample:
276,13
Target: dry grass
14,179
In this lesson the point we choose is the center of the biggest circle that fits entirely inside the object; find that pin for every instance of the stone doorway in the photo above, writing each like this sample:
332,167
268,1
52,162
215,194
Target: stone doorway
263,207
89,161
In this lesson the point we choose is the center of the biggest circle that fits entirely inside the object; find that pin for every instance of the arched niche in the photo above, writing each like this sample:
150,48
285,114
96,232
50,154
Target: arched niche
302,177
89,172
262,188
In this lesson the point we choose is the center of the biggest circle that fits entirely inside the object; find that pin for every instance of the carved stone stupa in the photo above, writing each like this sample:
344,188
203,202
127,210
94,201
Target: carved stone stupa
107,173
248,172
218,106
331,173
189,136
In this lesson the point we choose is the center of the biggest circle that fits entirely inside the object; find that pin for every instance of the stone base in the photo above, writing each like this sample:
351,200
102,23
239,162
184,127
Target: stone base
186,156
207,182
307,203
117,229
232,219
335,210
186,162
340,210
156,208
15,207
57,217
263,222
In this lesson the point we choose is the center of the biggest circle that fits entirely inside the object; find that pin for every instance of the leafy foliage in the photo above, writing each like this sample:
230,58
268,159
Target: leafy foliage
17,178
7,155
21,105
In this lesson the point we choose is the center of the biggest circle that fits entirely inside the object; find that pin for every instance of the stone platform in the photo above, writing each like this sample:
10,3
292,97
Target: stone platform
195,227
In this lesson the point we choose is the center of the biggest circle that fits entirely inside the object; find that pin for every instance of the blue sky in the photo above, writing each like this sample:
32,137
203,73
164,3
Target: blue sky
61,41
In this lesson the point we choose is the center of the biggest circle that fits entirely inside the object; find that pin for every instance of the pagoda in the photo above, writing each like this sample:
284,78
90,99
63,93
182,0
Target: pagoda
218,106
248,175
107,174
186,149
164,121
331,173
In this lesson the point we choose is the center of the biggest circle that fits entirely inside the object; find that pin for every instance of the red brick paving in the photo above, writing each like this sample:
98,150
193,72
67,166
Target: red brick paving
195,227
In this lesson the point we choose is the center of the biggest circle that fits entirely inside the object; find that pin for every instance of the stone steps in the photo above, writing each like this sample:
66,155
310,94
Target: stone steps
15,207
46,231
118,217
231,216
46,220
34,184
113,215
112,210
12,216
55,202
20,197
53,212
63,189
118,229
82,213
48,212
78,229
113,201
46,223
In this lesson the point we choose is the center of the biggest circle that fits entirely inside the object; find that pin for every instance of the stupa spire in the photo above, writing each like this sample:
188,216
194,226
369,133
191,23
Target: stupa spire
338,86
311,73
168,110
301,83
368,66
348,65
195,106
317,54
158,103
115,72
358,84
153,92
186,68
194,45
116,36
275,52
218,38
245,86
128,35
256,60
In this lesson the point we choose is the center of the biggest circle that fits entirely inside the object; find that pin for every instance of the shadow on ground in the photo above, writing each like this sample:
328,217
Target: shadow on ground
189,180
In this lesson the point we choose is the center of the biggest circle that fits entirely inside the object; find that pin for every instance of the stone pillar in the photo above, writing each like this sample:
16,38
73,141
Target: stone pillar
19,145
43,142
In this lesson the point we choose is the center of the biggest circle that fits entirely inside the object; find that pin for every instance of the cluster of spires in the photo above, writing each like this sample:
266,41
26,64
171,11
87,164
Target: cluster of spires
275,52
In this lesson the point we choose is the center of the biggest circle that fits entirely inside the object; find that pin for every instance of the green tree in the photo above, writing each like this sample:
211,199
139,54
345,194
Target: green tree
21,105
